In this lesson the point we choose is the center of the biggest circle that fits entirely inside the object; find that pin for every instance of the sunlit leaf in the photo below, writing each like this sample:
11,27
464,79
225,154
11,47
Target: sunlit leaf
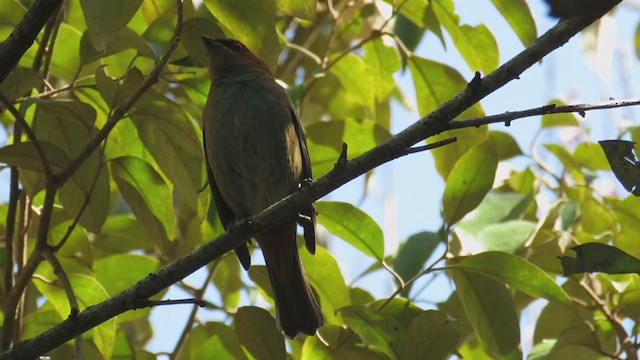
147,194
518,273
519,17
491,313
253,23
352,225
469,181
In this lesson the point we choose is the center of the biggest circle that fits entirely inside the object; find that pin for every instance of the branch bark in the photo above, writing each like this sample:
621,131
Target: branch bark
432,124
23,35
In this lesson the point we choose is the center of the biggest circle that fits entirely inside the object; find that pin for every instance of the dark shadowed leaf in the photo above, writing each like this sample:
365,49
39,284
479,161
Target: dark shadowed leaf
491,312
597,257
376,328
624,163
432,335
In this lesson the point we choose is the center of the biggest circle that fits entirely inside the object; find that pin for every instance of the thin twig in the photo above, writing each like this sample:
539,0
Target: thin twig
507,117
616,322
48,255
198,293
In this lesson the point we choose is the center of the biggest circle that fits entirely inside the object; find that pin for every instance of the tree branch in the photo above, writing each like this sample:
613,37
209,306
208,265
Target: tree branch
509,116
23,35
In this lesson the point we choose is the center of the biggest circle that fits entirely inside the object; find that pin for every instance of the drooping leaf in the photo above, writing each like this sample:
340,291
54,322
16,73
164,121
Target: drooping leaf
518,273
519,17
106,17
470,180
432,335
147,195
257,331
476,44
376,328
491,312
414,252
353,226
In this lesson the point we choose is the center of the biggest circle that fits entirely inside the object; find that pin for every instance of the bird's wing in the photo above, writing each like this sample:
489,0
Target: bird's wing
226,215
309,213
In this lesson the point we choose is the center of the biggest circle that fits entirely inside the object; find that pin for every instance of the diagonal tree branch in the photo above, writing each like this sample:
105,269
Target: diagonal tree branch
432,124
23,35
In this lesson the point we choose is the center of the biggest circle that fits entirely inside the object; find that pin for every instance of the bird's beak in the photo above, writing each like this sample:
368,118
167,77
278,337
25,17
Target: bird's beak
210,42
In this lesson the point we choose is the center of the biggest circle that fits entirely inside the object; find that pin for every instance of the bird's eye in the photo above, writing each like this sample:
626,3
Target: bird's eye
238,47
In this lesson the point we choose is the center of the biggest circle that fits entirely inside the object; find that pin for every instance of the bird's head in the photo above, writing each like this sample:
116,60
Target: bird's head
227,56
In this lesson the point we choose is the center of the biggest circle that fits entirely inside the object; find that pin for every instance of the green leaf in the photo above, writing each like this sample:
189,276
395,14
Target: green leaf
432,335
597,257
304,9
491,313
253,23
325,139
106,17
125,39
24,155
228,281
562,119
192,30
518,15
507,237
88,292
171,137
354,76
497,207
476,44
541,350
470,180
214,338
590,155
414,252
436,83
382,61
326,278
19,81
636,41
257,331
147,195
70,125
353,226
518,273
402,310
109,273
506,144
376,328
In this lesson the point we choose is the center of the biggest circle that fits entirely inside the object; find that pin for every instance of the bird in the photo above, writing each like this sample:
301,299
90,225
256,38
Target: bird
256,154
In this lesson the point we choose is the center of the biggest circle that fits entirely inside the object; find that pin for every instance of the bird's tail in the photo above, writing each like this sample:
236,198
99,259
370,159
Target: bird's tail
296,308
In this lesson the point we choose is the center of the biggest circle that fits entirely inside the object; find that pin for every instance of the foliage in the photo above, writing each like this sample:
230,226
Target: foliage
133,197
